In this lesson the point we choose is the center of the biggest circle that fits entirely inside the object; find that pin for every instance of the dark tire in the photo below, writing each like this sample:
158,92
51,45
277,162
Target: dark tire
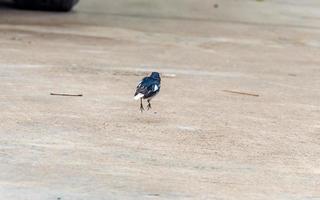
22,4
54,5
66,5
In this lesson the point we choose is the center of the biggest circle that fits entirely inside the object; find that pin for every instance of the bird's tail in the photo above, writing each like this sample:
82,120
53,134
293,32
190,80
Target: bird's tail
138,96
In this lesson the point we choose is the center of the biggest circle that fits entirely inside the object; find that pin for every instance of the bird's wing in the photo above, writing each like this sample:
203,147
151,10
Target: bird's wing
146,86
156,87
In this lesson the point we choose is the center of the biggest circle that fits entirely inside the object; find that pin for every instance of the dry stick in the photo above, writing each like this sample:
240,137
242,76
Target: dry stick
243,93
70,95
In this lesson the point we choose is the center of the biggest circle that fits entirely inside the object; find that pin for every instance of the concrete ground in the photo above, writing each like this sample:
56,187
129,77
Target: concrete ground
200,140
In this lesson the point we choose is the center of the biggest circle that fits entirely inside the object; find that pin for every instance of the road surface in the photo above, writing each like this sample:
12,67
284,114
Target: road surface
238,115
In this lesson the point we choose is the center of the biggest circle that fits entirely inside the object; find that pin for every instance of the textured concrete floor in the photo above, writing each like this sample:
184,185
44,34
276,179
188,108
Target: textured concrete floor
199,141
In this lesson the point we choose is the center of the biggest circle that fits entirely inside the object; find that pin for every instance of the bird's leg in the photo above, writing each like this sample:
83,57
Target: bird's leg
149,104
141,105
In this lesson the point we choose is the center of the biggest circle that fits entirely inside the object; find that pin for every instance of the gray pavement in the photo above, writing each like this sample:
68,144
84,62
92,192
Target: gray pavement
238,115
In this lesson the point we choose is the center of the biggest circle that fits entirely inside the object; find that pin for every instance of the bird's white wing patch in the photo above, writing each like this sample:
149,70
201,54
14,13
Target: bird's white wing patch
138,96
155,88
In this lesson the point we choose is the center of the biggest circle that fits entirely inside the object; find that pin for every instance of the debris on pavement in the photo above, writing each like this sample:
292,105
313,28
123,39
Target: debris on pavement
243,93
64,94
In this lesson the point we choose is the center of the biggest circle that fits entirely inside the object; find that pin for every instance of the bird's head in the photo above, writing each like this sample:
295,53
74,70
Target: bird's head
155,75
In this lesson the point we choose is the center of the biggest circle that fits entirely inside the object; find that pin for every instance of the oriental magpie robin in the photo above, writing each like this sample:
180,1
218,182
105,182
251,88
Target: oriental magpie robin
147,88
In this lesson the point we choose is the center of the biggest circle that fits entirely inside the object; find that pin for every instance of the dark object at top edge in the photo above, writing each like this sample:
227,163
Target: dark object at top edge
50,5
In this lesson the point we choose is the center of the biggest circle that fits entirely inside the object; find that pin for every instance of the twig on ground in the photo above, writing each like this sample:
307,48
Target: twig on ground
64,94
243,93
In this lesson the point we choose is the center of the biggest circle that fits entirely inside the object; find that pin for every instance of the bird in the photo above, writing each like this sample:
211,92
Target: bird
148,88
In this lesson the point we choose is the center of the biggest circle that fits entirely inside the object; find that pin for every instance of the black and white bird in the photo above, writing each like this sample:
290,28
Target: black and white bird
148,88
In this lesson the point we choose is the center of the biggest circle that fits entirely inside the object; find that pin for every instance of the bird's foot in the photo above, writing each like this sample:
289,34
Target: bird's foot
141,108
149,106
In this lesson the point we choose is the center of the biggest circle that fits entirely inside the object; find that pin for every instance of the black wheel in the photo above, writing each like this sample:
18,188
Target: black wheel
66,5
56,5
22,4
